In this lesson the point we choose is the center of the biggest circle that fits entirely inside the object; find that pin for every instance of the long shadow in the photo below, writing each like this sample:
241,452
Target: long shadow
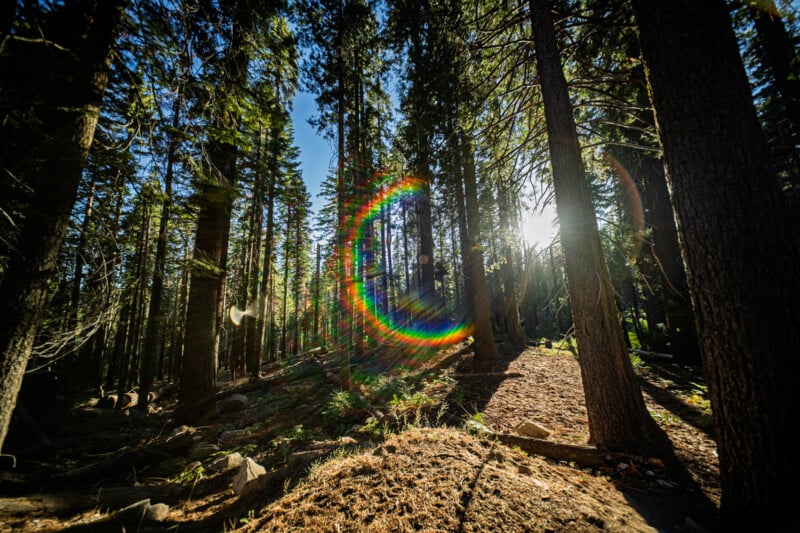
682,508
682,380
477,381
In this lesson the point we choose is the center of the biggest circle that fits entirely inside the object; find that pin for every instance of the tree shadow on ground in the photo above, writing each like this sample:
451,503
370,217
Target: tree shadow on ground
670,386
683,507
477,381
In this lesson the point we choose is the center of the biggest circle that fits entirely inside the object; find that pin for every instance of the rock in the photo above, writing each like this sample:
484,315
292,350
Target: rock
233,436
157,512
473,426
667,484
233,403
527,428
524,469
226,462
134,511
143,510
248,472
201,450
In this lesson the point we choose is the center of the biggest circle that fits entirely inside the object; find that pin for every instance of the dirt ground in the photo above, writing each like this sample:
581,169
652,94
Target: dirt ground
389,460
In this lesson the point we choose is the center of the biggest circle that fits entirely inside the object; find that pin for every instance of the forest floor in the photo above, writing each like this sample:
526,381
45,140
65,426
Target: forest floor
379,449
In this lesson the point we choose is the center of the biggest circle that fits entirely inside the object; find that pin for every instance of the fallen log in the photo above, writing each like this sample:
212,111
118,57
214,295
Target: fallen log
125,460
645,354
580,455
67,503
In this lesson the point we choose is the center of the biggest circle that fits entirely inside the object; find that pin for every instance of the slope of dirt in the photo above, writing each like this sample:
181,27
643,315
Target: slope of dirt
423,476
447,480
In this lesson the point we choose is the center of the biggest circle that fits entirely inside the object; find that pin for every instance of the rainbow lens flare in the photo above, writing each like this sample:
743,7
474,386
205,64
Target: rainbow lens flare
414,322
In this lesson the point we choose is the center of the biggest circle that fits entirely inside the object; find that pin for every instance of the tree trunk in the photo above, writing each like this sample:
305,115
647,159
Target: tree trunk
209,261
155,316
675,293
484,346
262,333
425,266
510,299
618,418
64,92
80,253
743,264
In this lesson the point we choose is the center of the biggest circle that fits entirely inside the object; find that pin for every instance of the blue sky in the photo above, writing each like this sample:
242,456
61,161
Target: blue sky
315,152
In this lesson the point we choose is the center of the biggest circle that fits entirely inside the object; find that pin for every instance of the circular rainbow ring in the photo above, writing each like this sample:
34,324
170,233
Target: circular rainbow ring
427,329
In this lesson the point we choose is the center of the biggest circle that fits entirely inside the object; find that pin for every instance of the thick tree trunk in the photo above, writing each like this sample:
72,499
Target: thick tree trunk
209,261
743,264
64,93
618,418
484,346
199,369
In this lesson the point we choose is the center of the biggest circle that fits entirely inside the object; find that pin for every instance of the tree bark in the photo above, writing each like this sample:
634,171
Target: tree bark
155,316
743,263
618,418
510,298
63,88
209,261
484,346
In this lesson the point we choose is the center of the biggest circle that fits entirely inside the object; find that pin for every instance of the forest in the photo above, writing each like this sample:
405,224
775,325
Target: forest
197,335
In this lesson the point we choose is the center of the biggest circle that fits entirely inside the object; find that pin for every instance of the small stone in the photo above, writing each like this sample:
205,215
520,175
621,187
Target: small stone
233,436
528,428
623,466
524,469
667,484
233,403
473,426
134,511
249,471
649,473
201,450
226,462
587,470
157,512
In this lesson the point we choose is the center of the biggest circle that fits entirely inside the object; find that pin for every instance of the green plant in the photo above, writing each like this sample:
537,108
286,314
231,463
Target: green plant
344,404
637,362
378,429
299,433
190,475
251,514
477,417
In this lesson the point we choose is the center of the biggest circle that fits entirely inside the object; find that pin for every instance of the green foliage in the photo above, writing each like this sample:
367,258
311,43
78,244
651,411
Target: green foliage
344,404
477,417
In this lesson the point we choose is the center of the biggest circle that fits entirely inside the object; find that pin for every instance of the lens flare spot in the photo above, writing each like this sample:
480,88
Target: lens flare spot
415,320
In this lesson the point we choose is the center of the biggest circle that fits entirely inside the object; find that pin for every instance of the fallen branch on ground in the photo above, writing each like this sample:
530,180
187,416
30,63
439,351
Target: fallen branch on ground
66,503
580,455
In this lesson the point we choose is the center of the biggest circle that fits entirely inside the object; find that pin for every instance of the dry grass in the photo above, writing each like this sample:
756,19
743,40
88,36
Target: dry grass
448,480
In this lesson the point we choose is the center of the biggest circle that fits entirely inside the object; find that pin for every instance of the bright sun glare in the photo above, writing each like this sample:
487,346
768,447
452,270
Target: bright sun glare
539,227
